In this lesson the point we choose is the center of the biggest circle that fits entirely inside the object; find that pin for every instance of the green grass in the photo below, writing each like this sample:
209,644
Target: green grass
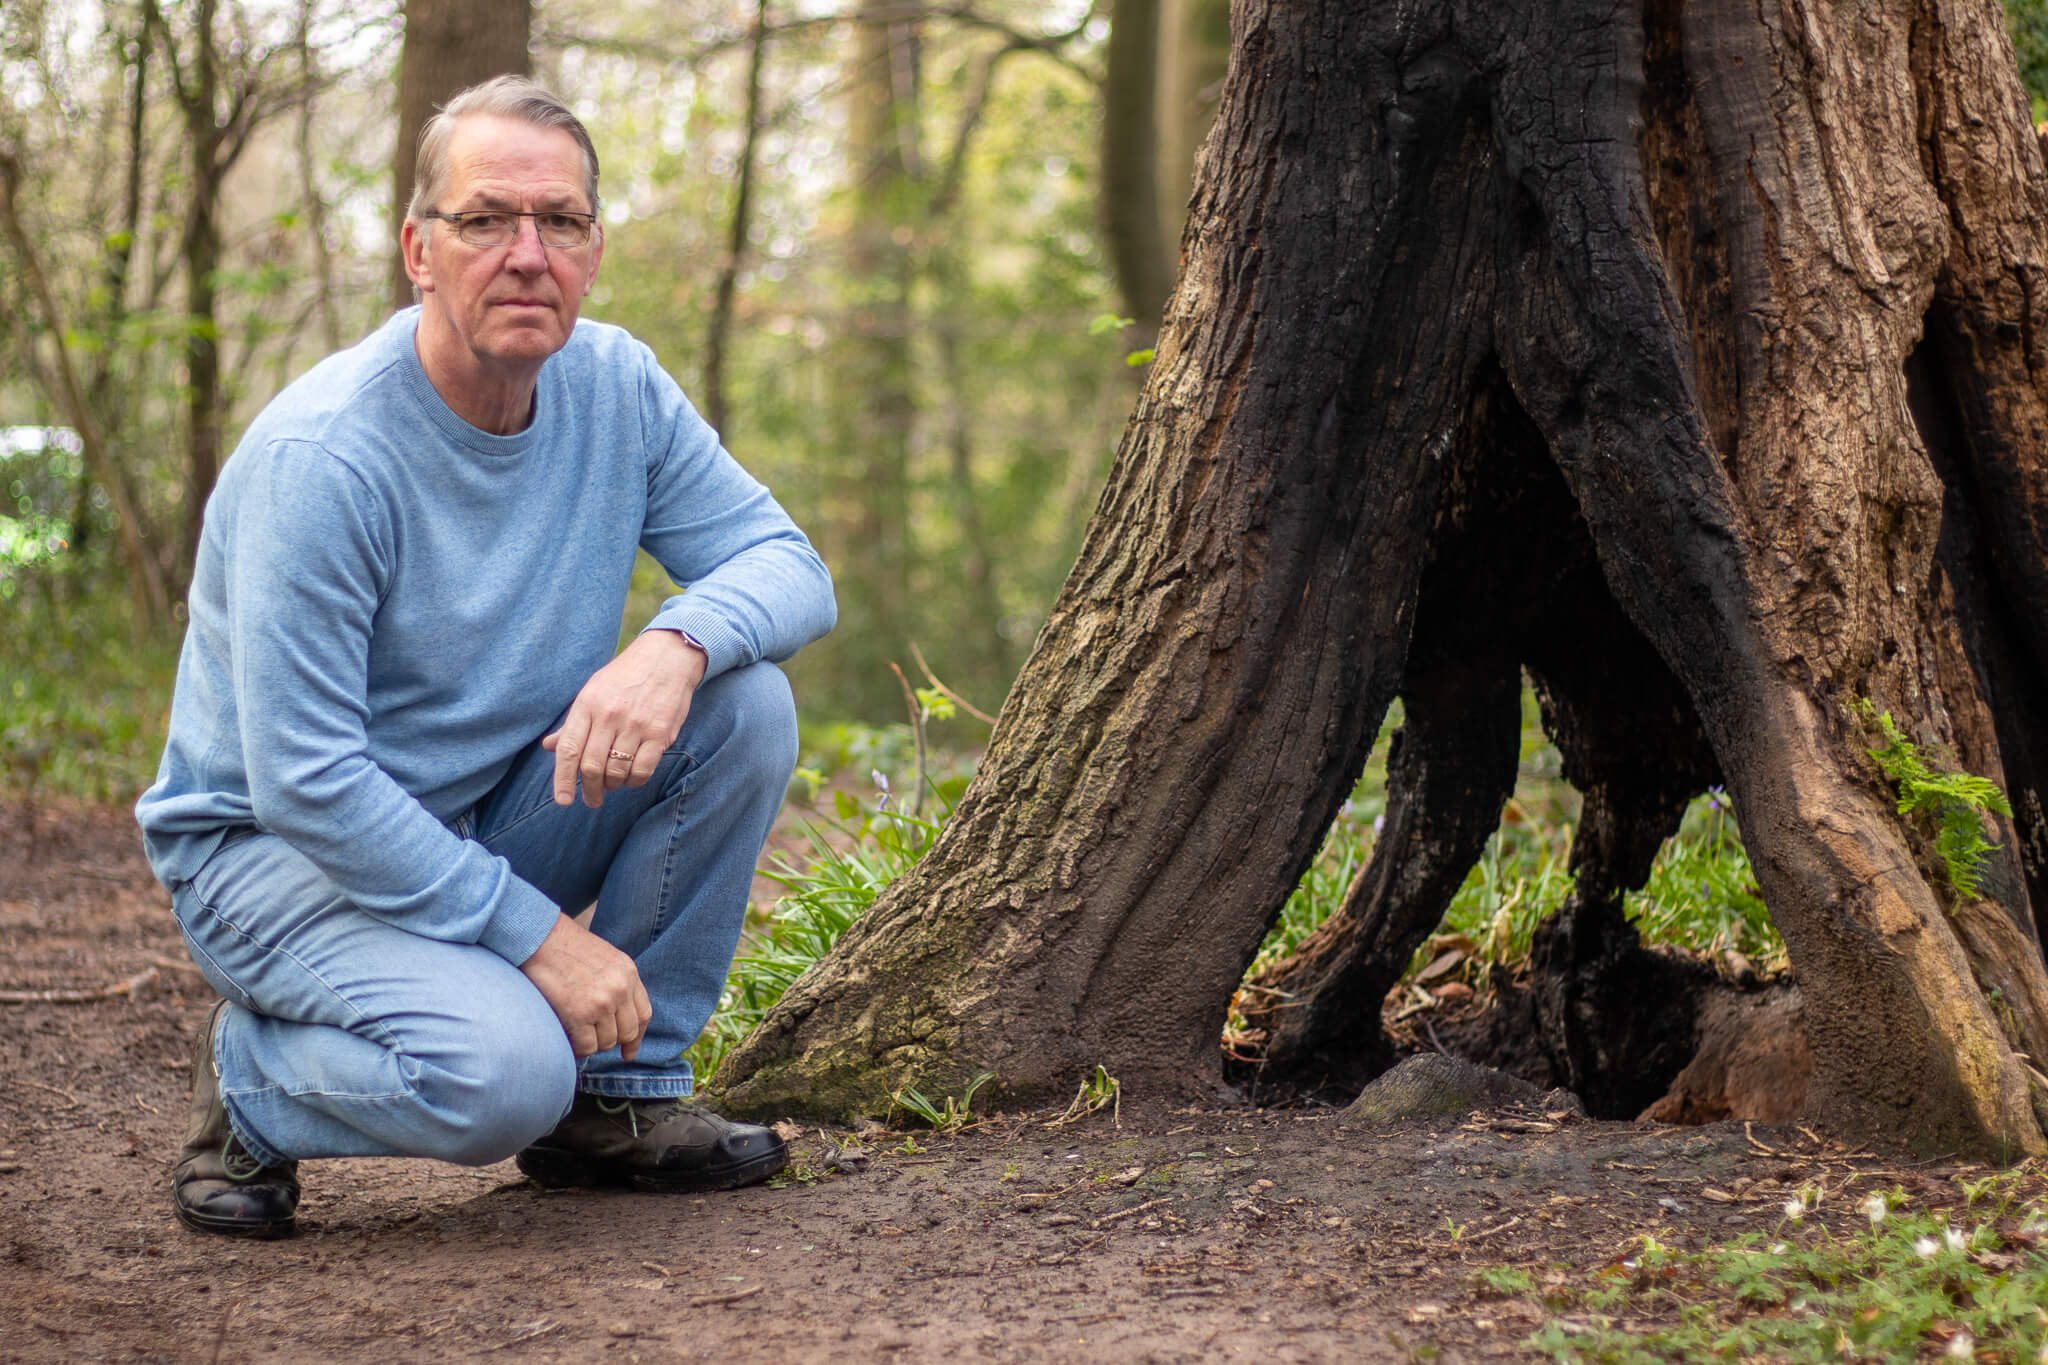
83,702
1965,1278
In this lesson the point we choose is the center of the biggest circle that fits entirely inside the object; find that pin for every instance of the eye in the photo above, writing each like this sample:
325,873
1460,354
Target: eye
559,222
489,222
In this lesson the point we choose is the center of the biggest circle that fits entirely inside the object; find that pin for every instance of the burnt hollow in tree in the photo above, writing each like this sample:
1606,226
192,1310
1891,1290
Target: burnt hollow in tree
1511,583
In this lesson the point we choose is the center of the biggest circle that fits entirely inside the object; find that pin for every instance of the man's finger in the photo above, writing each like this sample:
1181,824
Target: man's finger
568,747
592,768
645,760
619,761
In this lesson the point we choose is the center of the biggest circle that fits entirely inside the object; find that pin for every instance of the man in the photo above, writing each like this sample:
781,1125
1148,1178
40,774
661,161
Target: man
395,685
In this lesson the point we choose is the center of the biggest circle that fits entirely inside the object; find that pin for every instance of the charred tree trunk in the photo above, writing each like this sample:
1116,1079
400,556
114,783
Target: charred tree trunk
1764,292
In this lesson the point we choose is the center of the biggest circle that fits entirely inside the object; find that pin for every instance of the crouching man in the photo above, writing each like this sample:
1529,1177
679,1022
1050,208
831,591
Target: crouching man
402,753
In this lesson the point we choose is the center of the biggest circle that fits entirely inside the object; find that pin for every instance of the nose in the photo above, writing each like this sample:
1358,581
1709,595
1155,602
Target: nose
526,255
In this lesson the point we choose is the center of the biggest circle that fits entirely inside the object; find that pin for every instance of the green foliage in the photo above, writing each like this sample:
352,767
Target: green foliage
2027,21
83,703
1702,892
851,858
1903,1283
950,1118
1951,801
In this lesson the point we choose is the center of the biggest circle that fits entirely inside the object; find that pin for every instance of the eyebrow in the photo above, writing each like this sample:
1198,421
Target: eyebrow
502,203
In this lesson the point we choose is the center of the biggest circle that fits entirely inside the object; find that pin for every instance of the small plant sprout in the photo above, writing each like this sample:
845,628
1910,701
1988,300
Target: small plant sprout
948,1119
1099,1090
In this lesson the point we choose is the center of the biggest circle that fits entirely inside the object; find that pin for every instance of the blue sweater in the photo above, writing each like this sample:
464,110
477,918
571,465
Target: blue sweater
389,605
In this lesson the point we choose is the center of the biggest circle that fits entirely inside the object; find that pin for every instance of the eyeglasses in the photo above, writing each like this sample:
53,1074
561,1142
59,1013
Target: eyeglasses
496,227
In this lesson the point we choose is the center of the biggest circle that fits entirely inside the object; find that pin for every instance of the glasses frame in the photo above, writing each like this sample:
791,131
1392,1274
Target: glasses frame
462,216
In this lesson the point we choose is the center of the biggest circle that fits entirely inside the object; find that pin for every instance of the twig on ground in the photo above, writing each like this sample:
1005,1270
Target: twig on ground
1748,1131
79,996
1134,1210
714,1300
531,1331
75,1101
1472,1237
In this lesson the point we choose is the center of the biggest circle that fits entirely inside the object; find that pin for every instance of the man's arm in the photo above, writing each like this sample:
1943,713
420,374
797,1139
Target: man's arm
306,568
756,588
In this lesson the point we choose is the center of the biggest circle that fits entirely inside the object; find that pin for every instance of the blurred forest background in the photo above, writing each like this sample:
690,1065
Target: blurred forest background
908,258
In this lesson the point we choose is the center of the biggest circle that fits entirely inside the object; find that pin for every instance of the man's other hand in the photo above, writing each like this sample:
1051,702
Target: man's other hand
625,717
593,988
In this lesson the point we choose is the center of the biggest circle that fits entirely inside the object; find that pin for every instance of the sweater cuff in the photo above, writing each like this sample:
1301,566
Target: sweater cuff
524,919
722,646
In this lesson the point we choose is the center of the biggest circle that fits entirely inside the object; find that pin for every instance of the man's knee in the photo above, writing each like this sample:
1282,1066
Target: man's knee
755,703
510,1088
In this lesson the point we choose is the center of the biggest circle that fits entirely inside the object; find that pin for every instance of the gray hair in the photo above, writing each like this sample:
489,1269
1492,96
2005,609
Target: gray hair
513,97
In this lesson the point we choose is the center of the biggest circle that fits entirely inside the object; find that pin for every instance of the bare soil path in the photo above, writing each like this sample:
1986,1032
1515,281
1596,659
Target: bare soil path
1160,1235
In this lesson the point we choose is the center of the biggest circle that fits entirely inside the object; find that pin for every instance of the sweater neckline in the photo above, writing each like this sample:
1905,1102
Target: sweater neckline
436,408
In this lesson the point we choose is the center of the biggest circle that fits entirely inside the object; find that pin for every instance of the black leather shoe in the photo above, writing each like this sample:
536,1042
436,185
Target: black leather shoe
668,1145
217,1186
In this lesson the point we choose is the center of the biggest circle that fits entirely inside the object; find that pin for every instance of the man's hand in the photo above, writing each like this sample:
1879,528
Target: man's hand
593,988
625,717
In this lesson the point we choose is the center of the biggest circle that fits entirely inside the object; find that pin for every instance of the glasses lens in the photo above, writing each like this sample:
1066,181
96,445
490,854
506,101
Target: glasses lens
562,229
487,229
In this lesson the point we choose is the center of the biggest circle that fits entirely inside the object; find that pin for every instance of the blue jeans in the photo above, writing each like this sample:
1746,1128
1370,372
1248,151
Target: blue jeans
347,1035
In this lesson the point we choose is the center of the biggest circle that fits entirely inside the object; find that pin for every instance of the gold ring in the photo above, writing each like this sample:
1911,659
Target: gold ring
617,754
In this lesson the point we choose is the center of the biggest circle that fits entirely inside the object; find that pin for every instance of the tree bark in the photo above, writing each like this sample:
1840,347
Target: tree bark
450,45
1766,289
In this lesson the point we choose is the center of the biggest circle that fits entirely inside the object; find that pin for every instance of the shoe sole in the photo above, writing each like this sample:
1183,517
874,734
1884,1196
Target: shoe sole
557,1169
267,1231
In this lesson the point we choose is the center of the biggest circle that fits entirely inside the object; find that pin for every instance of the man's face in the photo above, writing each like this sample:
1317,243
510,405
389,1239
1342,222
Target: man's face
510,306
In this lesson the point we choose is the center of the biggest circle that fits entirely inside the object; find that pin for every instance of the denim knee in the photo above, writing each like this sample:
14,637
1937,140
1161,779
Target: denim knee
511,1087
756,709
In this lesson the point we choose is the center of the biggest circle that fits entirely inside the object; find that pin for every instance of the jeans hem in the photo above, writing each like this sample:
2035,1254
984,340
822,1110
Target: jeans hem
636,1087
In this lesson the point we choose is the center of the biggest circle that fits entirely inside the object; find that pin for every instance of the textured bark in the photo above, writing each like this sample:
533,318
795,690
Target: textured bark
450,45
1696,244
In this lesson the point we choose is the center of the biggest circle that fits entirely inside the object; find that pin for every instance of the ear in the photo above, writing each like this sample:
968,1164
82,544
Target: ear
412,246
596,259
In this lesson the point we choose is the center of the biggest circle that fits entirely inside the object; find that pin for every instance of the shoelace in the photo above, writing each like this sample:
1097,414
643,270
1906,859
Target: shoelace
631,1109
239,1165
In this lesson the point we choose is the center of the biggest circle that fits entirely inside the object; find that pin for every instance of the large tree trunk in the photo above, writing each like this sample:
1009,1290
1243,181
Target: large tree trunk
450,45
1764,288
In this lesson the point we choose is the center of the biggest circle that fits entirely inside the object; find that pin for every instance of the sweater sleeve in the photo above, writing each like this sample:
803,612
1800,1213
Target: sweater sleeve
309,555
755,587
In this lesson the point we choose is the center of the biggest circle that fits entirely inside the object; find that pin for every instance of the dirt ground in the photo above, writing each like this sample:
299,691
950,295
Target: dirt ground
1160,1235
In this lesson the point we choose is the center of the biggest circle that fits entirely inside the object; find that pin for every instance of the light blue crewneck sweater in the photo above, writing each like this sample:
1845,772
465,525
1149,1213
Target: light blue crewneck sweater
390,604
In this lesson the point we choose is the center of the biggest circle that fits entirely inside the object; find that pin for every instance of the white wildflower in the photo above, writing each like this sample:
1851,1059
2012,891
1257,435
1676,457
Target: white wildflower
1962,1346
1795,1208
1874,1209
1926,1247
1778,1248
1955,1240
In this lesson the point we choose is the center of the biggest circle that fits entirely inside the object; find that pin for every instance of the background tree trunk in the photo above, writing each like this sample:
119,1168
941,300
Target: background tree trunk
868,531
450,45
1133,214
1764,288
